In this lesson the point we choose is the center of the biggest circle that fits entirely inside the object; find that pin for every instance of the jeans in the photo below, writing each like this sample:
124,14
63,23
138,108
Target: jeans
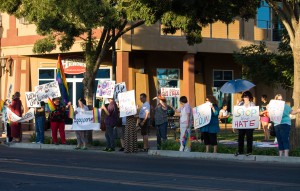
161,133
39,129
283,134
109,136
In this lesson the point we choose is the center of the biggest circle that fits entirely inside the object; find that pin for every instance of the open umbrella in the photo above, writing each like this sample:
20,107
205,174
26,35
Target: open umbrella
238,85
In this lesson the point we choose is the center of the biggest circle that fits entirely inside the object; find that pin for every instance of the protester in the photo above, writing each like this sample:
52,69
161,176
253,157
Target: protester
264,119
81,134
17,108
283,128
144,119
130,137
57,121
186,121
210,130
120,132
161,120
110,122
5,122
247,101
40,119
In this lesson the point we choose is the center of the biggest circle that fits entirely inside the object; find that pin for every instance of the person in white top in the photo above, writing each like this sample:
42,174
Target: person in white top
223,115
80,135
144,116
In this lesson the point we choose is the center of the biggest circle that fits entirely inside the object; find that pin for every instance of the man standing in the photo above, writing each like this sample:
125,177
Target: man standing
144,116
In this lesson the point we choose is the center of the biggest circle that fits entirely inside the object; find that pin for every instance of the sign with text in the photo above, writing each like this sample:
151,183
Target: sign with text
50,90
31,99
9,91
170,92
275,109
74,65
85,121
119,88
127,103
201,115
105,88
245,117
14,118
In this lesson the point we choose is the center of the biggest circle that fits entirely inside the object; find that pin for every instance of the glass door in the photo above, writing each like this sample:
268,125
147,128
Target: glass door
75,86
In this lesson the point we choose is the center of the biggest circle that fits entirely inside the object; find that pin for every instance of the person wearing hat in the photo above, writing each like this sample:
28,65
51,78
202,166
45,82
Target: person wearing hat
57,121
161,120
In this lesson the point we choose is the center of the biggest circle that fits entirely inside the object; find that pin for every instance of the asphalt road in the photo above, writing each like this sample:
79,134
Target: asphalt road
29,169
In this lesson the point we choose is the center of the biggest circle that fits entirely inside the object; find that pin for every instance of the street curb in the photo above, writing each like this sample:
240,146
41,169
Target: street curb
220,156
40,146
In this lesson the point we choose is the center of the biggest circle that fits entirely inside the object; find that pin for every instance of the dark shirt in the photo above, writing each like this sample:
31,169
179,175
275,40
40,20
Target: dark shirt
111,119
59,114
42,113
161,115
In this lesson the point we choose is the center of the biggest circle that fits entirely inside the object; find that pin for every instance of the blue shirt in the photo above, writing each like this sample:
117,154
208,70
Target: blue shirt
286,115
213,126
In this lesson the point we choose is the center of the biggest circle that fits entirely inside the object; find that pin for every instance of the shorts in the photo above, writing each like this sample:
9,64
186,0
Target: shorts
145,127
265,119
210,138
120,132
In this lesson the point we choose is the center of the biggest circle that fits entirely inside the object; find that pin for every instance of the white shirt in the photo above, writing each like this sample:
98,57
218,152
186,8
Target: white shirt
81,110
145,108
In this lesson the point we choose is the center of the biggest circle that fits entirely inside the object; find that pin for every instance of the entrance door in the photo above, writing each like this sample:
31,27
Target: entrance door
75,86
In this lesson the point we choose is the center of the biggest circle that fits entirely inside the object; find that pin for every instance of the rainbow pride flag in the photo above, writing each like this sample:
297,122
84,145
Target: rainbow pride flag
97,115
51,104
61,79
71,112
1,104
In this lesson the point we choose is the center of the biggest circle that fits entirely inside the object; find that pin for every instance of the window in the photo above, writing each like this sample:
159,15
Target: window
220,77
263,16
46,75
169,78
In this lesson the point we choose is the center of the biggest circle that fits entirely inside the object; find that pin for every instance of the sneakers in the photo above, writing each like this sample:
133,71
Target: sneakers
110,150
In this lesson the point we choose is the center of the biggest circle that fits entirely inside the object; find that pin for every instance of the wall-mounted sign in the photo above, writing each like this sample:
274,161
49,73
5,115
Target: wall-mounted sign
73,65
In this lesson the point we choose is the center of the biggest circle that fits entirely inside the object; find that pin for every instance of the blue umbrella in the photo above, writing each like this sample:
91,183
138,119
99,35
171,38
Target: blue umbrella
238,85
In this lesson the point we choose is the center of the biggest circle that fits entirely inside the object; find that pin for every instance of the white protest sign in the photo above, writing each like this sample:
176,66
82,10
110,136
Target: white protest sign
50,90
14,118
31,99
127,103
202,115
84,121
119,88
275,109
9,91
245,117
105,88
170,92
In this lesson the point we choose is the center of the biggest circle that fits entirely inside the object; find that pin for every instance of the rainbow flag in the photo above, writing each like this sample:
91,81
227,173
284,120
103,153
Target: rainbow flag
97,115
1,104
61,79
71,112
51,105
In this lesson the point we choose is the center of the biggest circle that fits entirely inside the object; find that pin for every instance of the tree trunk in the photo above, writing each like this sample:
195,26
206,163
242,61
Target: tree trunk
295,129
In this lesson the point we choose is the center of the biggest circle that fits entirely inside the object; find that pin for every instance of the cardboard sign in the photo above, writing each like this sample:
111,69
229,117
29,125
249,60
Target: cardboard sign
245,117
170,92
32,100
127,103
275,109
202,115
119,88
105,88
84,121
50,90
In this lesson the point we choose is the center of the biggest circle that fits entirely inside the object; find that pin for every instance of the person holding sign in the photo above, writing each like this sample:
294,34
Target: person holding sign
161,120
283,128
57,120
186,122
17,108
40,123
80,135
209,131
247,101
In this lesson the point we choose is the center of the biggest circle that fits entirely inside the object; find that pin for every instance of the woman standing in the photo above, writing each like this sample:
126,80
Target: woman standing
210,130
40,119
17,108
264,119
57,121
283,128
186,120
161,120
247,101
80,134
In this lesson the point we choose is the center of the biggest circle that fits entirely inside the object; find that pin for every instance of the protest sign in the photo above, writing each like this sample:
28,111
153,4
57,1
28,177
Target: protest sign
201,115
119,88
170,92
127,103
105,88
9,91
275,109
50,90
85,121
245,117
14,118
31,99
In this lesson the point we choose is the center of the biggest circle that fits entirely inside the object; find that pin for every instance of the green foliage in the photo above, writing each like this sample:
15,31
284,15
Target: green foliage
44,45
